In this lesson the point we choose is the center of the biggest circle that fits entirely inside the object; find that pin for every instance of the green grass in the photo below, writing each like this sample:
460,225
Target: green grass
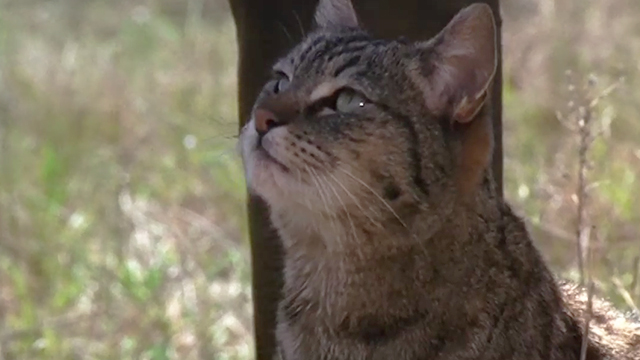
122,221
122,218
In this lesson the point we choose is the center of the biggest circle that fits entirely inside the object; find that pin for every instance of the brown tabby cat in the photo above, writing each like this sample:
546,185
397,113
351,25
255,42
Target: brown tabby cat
373,157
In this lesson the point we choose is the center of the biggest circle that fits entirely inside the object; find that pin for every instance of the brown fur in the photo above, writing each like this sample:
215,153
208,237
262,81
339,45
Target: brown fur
397,246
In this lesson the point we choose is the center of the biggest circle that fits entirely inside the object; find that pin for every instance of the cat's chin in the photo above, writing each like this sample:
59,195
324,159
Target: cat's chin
281,177
269,178
277,184
279,192
263,172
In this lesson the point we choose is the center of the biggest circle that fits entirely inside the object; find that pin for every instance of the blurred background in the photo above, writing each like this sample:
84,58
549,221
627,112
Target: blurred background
122,215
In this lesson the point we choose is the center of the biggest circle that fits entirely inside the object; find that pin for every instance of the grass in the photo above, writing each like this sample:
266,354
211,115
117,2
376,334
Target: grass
122,221
122,224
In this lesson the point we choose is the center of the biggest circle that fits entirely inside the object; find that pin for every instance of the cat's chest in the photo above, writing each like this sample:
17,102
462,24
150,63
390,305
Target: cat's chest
319,344
313,331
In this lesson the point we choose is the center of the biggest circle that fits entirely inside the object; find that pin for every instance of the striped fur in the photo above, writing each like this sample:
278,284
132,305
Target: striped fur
397,246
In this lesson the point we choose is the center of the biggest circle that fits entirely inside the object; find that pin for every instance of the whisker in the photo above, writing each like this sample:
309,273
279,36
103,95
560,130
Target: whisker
306,200
284,29
321,188
413,236
299,24
316,180
353,227
357,203
218,138
386,204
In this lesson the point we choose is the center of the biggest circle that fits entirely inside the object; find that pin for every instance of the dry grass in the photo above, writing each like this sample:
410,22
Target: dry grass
122,224
559,59
121,215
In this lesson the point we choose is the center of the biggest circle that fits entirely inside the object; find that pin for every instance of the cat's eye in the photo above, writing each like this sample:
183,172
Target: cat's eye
345,100
280,84
348,100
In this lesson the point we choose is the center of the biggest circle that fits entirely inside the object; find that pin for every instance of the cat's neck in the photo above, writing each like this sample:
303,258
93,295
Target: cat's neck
457,217
352,254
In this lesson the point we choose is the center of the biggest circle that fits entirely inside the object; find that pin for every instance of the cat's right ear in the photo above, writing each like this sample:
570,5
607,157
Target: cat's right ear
457,67
336,14
455,71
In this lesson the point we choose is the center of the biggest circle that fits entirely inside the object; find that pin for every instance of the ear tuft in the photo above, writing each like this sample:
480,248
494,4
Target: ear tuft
336,14
463,58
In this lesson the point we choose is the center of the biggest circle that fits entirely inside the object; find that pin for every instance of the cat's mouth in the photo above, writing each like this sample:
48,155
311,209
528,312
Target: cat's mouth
267,173
263,155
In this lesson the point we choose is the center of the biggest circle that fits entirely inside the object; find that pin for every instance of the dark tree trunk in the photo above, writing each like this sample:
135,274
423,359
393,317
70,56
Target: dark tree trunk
267,29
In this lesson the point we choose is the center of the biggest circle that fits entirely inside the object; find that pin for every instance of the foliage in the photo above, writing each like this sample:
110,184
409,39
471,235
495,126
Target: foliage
558,57
122,220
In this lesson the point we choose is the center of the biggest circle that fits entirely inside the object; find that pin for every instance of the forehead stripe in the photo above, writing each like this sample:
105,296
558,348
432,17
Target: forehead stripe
331,45
355,47
311,46
322,45
347,50
349,63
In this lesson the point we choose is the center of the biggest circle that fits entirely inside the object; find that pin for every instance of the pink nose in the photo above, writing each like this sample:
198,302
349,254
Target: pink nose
265,120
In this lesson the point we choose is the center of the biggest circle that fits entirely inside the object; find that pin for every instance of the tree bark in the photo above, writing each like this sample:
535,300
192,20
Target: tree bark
266,30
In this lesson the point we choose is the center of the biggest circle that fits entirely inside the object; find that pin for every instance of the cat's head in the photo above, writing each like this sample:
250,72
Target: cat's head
350,122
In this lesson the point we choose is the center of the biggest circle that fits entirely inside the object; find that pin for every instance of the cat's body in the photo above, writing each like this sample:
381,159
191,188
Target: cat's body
496,301
373,157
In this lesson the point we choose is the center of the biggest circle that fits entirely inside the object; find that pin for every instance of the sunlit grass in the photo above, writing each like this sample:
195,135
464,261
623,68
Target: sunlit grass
122,223
122,216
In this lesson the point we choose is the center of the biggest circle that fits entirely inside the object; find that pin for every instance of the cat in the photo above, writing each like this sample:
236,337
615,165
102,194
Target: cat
373,156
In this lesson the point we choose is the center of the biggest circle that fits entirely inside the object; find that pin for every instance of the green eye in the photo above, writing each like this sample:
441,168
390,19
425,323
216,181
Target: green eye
279,82
349,101
343,101
280,85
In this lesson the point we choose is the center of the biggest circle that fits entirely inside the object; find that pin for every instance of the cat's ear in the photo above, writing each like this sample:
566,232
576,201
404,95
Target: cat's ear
460,64
455,71
336,14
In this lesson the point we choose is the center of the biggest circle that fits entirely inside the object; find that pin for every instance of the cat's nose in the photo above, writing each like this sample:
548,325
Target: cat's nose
265,120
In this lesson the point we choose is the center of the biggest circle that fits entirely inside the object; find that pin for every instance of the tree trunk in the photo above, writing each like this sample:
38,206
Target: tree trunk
266,30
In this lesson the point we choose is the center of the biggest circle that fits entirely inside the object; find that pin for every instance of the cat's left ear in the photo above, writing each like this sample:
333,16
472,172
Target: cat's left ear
336,14
457,67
